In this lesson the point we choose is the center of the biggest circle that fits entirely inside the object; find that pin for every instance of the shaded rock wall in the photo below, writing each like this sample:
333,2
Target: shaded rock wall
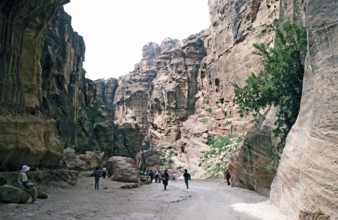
27,136
307,179
44,96
24,24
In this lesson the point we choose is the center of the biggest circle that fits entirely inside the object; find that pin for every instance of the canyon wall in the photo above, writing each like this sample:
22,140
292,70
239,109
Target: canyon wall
43,93
178,96
306,183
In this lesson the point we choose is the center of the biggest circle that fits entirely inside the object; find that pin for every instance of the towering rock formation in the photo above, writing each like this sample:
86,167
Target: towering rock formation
306,184
43,94
178,96
181,92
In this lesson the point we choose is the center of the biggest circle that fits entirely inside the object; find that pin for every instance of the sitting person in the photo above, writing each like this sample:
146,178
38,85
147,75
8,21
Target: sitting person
26,184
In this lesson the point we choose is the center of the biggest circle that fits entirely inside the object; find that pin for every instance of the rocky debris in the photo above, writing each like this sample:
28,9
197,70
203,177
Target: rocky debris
313,216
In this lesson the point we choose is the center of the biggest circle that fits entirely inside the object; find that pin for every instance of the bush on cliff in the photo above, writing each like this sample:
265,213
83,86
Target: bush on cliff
280,82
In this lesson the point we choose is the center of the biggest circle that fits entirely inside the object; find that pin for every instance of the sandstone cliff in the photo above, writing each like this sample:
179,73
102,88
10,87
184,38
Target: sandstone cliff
44,93
178,96
306,184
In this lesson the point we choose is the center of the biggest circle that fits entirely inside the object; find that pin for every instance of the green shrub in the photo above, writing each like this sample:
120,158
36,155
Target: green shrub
221,148
205,121
280,82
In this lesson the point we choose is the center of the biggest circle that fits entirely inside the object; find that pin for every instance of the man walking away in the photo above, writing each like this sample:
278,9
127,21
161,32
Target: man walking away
165,178
97,174
187,177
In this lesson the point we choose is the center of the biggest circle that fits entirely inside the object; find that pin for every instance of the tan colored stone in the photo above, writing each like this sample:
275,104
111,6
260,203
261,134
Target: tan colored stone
307,177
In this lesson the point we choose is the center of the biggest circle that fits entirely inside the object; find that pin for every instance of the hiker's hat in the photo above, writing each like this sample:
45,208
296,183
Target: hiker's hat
25,168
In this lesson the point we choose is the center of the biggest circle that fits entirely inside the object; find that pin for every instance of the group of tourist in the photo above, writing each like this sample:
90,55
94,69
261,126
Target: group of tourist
163,176
157,175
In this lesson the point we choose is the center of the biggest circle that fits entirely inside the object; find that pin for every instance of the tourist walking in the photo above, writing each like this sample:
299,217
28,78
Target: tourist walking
151,174
187,177
174,176
165,179
104,173
97,174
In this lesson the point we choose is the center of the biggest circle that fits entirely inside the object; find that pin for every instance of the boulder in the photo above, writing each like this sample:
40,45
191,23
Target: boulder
12,194
123,169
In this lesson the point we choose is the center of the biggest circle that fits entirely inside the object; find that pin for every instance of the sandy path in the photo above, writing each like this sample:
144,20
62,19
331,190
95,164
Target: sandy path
204,200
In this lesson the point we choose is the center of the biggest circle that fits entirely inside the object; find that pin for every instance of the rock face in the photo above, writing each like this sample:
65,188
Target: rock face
235,27
181,86
255,169
27,136
44,96
178,96
306,184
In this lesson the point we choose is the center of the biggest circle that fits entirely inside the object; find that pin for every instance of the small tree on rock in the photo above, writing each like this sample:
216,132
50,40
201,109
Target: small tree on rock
279,84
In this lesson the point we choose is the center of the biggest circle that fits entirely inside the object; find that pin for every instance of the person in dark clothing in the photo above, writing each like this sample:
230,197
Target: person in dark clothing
104,173
157,175
151,174
165,178
97,174
187,177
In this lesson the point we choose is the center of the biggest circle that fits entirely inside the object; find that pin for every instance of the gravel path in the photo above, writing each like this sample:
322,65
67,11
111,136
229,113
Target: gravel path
203,200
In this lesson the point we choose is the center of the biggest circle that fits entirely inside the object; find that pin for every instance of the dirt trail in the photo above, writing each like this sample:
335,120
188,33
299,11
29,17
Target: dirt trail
203,200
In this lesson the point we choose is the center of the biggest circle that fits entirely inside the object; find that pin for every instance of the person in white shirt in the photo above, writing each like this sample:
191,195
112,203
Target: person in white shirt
26,184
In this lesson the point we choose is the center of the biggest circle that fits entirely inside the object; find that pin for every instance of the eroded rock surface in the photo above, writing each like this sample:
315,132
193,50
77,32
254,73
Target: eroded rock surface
307,177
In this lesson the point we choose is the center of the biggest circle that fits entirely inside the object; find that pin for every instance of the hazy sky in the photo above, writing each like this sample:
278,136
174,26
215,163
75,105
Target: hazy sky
115,31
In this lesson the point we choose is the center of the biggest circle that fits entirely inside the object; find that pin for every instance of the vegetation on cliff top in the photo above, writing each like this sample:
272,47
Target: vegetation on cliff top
280,82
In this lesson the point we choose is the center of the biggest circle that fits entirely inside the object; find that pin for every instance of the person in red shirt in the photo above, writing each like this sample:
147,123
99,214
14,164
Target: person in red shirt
230,171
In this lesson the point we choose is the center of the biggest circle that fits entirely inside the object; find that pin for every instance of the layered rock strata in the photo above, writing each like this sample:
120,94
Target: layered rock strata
44,96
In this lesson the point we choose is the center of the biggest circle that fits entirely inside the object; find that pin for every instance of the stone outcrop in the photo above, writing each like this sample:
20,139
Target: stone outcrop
235,27
306,183
255,165
30,140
